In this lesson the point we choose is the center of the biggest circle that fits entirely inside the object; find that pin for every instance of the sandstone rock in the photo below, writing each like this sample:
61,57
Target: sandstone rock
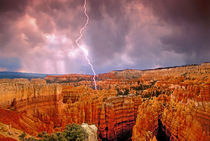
91,131
177,97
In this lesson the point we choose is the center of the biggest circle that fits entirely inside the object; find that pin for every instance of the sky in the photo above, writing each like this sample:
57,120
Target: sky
39,35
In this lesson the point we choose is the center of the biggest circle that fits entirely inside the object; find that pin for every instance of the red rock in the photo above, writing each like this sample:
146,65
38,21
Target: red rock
182,105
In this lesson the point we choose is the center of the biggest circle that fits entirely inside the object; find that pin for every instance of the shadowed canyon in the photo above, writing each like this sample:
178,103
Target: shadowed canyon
139,105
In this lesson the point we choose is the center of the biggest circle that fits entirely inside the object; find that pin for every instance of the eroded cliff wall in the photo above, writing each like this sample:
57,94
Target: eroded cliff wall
127,103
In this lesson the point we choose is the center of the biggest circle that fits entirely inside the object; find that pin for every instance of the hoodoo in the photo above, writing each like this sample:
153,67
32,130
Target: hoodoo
162,104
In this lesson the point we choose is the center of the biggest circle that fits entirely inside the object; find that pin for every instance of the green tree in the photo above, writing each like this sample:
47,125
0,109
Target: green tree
75,132
72,132
22,136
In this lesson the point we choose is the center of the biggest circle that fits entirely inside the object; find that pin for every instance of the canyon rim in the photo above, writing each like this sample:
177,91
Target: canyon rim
104,70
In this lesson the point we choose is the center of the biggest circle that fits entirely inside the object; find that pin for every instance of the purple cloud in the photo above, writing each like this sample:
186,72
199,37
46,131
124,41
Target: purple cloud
121,34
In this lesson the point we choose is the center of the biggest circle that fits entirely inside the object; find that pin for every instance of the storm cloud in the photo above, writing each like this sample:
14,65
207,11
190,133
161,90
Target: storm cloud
138,34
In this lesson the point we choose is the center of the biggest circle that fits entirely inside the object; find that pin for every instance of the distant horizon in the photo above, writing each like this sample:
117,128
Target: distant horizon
102,72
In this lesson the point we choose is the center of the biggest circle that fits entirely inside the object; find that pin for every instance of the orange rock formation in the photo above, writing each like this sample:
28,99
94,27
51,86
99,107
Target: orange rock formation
141,105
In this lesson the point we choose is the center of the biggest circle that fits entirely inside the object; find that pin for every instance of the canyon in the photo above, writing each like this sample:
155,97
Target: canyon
139,105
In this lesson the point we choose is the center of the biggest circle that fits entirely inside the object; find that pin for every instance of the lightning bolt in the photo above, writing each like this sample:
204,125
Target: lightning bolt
83,49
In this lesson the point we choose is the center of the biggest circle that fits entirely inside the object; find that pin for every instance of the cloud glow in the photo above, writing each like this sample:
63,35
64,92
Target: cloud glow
84,50
39,36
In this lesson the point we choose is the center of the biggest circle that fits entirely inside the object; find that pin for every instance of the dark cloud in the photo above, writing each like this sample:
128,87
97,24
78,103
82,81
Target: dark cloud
121,34
10,10
181,12
190,25
108,29
13,6
11,64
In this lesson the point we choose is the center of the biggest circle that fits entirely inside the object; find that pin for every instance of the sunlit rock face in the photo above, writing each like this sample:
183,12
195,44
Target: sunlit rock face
19,93
119,116
91,130
184,114
169,104
54,108
179,121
